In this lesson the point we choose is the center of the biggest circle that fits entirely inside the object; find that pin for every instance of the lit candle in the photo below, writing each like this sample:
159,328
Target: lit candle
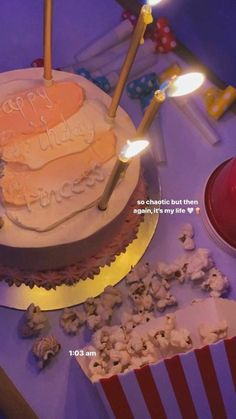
48,42
128,152
175,86
148,117
145,18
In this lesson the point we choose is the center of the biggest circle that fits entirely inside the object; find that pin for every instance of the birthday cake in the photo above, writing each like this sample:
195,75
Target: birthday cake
57,152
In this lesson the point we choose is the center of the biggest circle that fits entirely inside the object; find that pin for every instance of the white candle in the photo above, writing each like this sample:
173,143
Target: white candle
194,114
118,34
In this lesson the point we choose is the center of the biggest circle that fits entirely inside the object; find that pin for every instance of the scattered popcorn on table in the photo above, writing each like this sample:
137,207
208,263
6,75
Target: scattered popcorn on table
161,295
216,283
44,349
137,273
198,264
72,319
211,334
96,312
186,231
33,322
132,343
166,270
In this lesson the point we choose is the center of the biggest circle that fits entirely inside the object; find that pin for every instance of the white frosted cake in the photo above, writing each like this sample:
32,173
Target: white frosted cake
57,151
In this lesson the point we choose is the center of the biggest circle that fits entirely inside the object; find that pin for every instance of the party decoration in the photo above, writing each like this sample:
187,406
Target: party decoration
100,81
142,86
127,15
196,116
172,70
218,101
163,36
38,62
113,37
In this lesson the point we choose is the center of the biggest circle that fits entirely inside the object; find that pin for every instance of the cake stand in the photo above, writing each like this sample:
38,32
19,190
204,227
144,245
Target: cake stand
66,296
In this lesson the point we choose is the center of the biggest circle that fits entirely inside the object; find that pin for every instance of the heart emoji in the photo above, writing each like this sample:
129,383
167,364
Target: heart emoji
190,210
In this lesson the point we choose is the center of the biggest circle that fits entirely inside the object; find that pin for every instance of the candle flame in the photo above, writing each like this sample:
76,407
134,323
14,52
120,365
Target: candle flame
132,149
153,2
185,84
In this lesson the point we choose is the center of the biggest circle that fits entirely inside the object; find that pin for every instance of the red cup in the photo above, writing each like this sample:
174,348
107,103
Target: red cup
220,201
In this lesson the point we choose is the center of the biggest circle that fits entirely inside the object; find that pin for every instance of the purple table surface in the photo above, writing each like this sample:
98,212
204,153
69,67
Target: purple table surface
62,391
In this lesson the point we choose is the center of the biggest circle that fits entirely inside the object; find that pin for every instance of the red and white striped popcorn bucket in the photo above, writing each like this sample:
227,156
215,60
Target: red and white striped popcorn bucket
200,384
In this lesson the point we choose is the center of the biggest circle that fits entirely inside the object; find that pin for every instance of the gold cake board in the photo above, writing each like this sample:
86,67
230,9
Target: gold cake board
66,296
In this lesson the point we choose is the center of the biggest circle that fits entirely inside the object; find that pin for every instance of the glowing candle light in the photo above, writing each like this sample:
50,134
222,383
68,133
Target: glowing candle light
145,18
185,84
48,42
175,86
128,152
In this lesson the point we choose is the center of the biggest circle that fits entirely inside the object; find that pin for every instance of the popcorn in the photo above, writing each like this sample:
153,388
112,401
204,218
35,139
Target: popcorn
170,322
161,295
120,359
169,336
143,303
181,271
146,317
186,236
132,277
188,244
198,264
33,322
99,310
117,337
135,362
140,297
104,312
110,297
211,334
138,273
130,321
166,270
216,283
137,289
159,338
95,322
180,338
135,345
72,319
101,339
44,349
97,368
187,230
90,305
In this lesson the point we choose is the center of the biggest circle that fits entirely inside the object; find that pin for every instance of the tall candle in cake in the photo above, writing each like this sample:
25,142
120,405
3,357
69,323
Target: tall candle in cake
128,152
48,42
145,18
175,86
